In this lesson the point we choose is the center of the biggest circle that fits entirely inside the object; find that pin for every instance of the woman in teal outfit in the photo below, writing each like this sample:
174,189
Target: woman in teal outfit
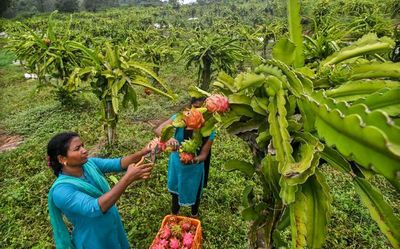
186,181
83,195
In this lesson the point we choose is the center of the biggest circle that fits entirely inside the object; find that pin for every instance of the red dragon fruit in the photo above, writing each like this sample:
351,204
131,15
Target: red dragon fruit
186,225
193,119
158,246
188,240
174,243
217,103
186,158
162,145
165,233
164,243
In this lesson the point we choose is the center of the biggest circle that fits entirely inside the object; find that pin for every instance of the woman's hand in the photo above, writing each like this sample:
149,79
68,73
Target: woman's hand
151,146
173,143
139,171
135,171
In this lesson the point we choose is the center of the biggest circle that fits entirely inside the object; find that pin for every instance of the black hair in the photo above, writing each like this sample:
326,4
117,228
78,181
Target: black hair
58,145
193,100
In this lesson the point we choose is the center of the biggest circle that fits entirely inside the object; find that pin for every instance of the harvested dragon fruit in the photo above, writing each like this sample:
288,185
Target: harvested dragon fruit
186,225
217,103
186,158
174,243
164,243
162,146
181,231
165,233
158,246
193,119
188,240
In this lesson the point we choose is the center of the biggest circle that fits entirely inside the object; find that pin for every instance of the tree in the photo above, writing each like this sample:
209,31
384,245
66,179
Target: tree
4,5
67,5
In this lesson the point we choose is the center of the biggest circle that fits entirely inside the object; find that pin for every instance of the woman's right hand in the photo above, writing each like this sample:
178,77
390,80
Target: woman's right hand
173,143
139,170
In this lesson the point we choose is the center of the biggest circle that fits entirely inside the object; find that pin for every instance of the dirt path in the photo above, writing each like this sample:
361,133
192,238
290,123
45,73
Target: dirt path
9,142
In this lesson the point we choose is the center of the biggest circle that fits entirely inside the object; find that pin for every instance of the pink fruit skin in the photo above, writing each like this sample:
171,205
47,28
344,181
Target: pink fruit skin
158,246
165,233
187,240
174,243
162,146
186,226
164,243
217,103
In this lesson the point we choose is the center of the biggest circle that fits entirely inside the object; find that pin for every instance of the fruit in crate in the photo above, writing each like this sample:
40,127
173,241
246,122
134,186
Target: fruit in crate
188,240
174,243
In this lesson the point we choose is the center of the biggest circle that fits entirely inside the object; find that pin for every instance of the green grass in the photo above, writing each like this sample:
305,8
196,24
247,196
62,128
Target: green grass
25,178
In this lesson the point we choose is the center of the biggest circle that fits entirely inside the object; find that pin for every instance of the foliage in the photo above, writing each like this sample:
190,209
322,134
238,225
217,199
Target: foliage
67,5
212,53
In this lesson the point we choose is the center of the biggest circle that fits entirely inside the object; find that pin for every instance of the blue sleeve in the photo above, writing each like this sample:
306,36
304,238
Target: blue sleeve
212,136
107,165
67,198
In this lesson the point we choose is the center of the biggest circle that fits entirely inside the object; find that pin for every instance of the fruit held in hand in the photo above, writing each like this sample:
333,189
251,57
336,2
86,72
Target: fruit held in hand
186,158
190,146
193,119
217,103
162,146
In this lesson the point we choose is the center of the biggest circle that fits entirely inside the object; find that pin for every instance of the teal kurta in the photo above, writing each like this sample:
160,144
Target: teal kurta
185,180
91,227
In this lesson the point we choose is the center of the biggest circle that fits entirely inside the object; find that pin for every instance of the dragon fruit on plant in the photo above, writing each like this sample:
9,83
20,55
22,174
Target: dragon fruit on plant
217,103
193,119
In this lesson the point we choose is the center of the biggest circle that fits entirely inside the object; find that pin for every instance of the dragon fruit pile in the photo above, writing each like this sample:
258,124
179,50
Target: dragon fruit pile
175,235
